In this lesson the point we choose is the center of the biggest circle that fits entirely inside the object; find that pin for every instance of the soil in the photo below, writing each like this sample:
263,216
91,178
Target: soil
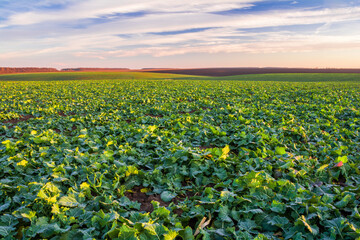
22,118
178,212
192,111
144,199
341,181
154,116
62,114
217,72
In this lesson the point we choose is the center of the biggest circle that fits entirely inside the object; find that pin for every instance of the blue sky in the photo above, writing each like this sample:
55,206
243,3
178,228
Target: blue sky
189,33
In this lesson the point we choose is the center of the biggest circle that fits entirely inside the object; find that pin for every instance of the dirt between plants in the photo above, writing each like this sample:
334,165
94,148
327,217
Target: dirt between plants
130,120
56,130
73,128
190,112
145,200
22,118
61,113
154,116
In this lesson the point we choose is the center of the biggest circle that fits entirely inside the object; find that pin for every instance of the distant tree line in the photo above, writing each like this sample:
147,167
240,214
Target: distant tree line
4,70
25,70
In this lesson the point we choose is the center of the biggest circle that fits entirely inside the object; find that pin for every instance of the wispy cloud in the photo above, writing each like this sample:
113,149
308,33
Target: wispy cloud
184,31
111,29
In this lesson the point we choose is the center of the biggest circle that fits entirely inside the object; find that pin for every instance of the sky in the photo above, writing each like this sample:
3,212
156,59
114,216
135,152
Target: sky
180,34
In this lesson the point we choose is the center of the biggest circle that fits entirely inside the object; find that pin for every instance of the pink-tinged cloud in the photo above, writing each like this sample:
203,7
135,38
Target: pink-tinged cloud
94,32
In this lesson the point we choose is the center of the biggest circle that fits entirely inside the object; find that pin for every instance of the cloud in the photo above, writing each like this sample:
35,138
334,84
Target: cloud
97,9
184,31
112,29
272,43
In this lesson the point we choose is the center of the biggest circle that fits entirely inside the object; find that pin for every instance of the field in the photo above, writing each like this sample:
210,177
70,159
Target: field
68,76
219,72
152,156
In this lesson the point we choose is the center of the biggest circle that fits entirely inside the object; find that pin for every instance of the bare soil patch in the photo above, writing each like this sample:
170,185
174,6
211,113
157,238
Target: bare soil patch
154,116
130,120
218,72
144,199
62,114
56,130
206,147
22,118
190,112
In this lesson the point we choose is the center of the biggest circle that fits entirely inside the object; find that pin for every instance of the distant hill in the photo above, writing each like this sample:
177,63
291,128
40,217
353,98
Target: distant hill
218,72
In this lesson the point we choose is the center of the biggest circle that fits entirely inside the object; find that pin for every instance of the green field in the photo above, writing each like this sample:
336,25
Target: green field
68,76
280,77
298,77
152,156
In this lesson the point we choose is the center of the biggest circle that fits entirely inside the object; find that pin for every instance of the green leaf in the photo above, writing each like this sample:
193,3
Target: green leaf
336,224
6,142
343,202
131,170
152,128
68,201
225,150
343,159
247,225
127,233
109,153
167,196
322,167
187,234
114,231
224,214
42,221
280,151
278,207
52,188
31,215
313,229
278,221
6,231
161,212
261,237
42,139
5,206
171,235
155,229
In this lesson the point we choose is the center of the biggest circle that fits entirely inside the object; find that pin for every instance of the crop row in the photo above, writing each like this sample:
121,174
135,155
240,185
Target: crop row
137,159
